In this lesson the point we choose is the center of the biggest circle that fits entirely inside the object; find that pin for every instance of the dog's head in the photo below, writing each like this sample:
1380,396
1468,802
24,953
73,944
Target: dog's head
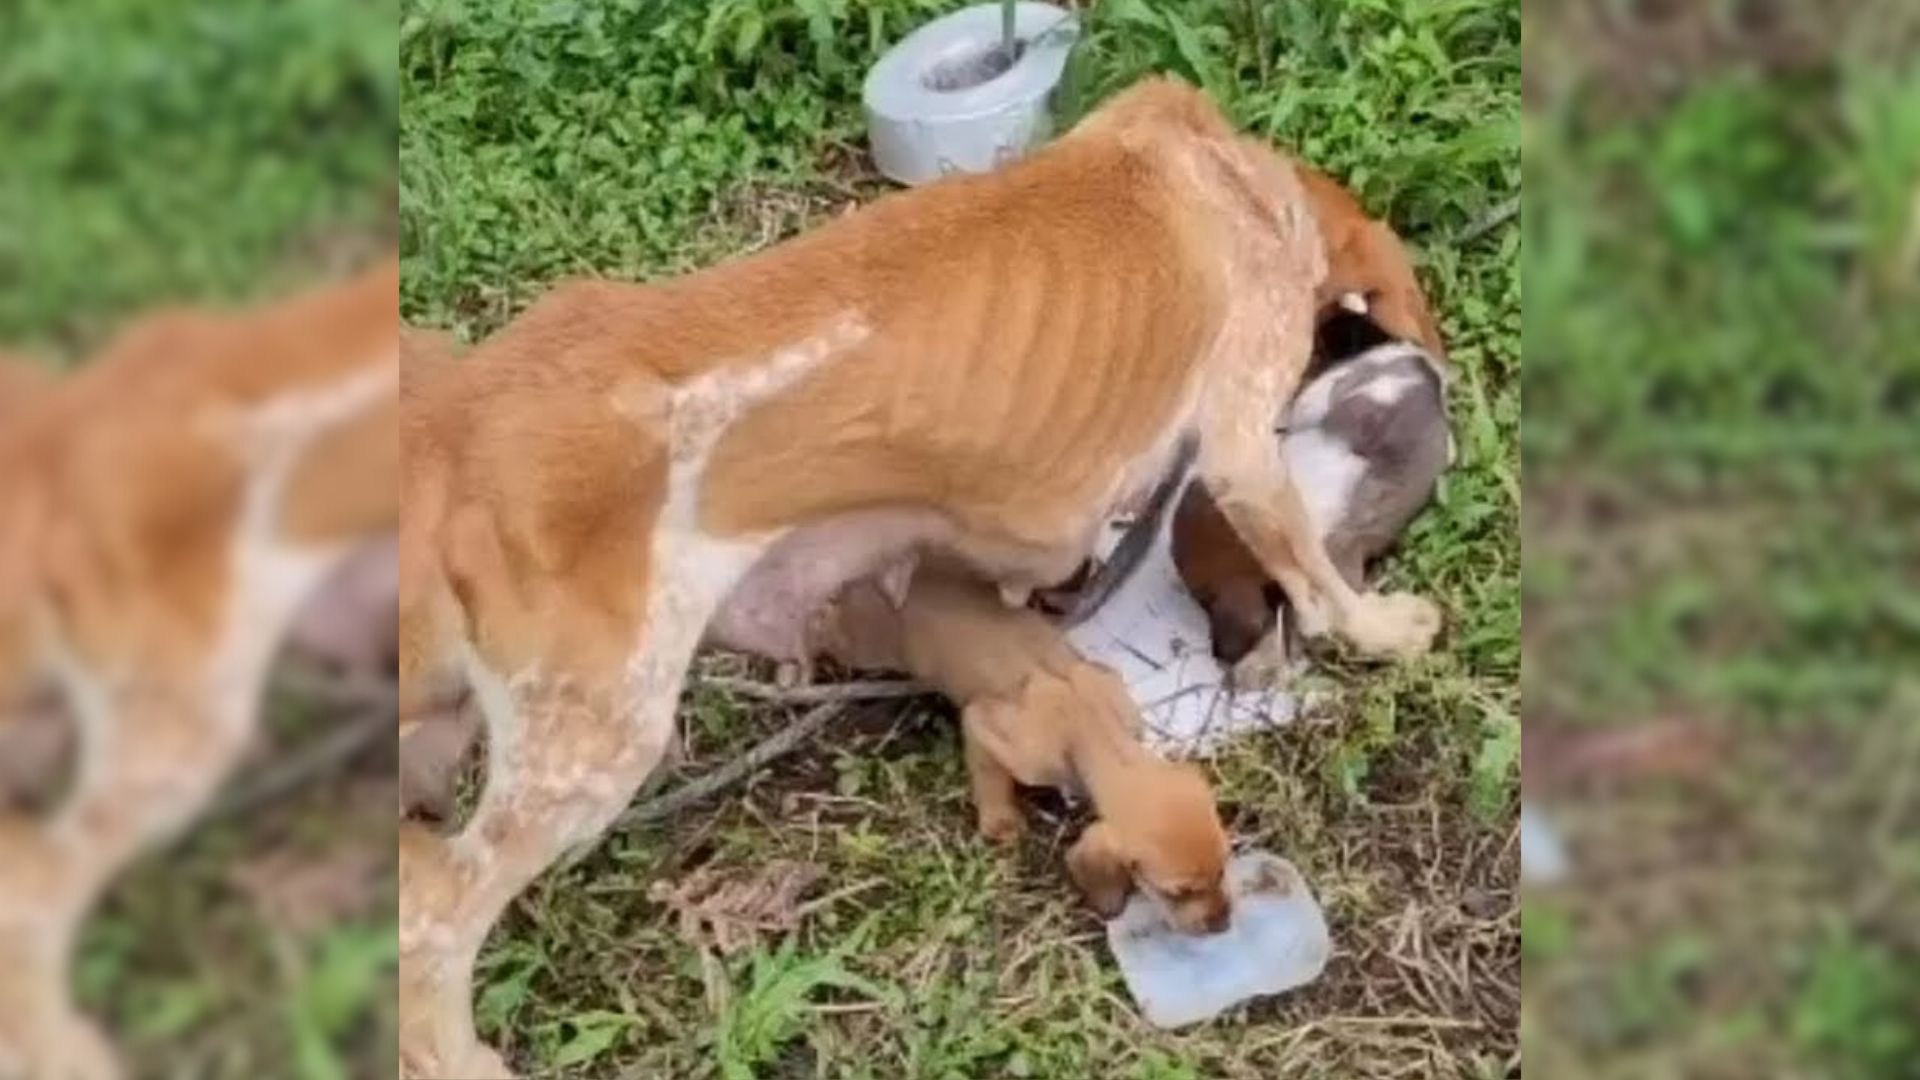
1166,841
1367,257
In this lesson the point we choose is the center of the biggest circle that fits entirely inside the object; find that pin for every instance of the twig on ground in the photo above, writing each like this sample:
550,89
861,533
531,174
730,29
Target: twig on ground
375,700
1488,222
368,691
874,690
320,756
776,746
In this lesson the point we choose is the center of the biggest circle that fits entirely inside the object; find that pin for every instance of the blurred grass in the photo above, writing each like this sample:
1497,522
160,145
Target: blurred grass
216,152
634,139
1723,473
214,149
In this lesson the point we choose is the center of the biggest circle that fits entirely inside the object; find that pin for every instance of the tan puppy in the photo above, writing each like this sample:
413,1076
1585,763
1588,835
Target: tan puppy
1034,712
169,507
988,366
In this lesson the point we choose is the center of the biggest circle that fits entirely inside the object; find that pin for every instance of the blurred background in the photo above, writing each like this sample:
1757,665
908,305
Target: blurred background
218,153
1722,569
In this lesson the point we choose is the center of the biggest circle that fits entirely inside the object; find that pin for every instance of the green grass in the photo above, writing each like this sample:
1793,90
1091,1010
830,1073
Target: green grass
213,150
1723,255
635,140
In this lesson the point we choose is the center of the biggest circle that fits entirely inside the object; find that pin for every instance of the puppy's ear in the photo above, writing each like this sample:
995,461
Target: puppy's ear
1099,869
986,721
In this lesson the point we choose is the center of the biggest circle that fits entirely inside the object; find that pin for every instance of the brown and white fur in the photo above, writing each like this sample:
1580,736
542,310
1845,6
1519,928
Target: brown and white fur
1367,440
170,506
987,367
1033,712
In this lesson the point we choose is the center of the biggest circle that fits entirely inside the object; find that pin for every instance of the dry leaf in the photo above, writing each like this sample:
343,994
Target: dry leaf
729,909
302,892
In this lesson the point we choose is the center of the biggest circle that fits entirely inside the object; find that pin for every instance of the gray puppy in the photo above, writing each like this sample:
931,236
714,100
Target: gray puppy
1366,440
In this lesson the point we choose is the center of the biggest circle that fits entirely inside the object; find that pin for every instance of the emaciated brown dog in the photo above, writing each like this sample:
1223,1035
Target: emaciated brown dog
988,367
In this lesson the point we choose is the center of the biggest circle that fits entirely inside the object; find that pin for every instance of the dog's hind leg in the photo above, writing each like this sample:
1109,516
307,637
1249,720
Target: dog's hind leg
577,673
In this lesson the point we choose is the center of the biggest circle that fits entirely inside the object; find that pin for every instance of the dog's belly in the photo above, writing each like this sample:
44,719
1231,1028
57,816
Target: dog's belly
771,610
348,622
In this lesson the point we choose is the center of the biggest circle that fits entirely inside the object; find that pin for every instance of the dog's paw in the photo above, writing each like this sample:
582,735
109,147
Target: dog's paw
793,674
1266,667
1002,826
476,1061
82,1051
1399,625
484,1063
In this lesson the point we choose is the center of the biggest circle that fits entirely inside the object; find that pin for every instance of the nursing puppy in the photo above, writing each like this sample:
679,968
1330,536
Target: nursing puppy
1033,712
989,366
1367,439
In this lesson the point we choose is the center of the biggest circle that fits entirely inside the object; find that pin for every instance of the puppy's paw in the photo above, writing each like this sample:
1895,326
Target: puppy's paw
793,674
1266,667
1002,825
1399,625
897,580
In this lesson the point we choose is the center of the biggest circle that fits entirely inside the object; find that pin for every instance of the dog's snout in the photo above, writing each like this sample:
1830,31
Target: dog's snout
1218,919
1232,639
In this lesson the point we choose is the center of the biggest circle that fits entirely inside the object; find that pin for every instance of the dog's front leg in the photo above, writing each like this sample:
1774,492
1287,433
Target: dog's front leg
1256,493
569,742
567,751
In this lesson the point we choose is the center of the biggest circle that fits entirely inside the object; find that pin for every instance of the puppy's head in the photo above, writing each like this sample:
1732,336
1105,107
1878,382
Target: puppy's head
1239,615
1167,841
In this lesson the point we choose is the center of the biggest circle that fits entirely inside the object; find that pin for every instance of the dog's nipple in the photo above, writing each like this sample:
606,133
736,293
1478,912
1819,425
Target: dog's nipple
896,579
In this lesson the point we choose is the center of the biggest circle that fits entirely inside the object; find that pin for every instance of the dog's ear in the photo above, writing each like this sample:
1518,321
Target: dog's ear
1100,869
